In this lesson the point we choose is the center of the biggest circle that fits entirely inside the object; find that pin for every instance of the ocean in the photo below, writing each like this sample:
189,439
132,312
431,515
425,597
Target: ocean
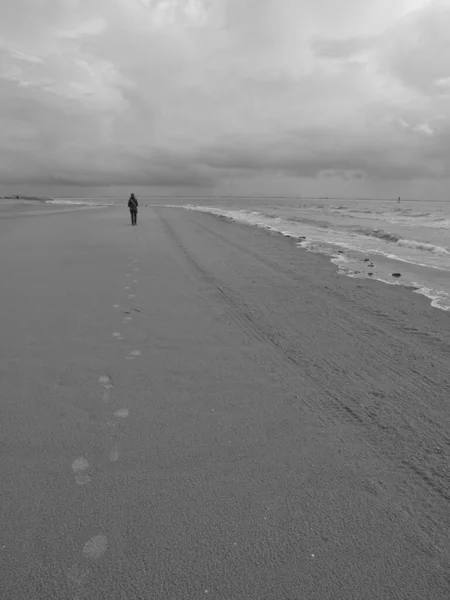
364,238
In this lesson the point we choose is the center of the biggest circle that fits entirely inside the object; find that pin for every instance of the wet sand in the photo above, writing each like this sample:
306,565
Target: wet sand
10,208
198,409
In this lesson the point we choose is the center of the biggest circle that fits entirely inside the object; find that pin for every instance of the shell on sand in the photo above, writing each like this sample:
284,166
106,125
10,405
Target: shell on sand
113,455
122,412
80,464
95,547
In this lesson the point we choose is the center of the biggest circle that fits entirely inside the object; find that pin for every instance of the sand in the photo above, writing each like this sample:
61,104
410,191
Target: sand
262,427
10,208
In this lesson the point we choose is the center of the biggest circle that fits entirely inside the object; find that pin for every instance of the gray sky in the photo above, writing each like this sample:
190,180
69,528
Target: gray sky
327,97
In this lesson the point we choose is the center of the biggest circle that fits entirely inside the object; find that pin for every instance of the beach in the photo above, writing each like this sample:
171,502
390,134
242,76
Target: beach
397,243
196,408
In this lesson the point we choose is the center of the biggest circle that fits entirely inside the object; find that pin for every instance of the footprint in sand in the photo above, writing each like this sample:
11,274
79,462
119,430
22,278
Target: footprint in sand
127,287
131,296
122,413
105,380
117,334
95,547
133,354
113,455
79,466
127,318
116,306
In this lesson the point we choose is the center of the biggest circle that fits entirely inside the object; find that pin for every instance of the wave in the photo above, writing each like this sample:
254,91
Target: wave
423,246
265,215
314,222
439,298
401,241
443,223
77,203
380,234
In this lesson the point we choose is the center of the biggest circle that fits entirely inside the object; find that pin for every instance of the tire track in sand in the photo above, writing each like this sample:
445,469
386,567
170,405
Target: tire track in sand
287,360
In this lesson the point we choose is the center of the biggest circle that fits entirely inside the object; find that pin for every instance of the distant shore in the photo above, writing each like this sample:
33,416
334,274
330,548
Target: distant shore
26,198
17,206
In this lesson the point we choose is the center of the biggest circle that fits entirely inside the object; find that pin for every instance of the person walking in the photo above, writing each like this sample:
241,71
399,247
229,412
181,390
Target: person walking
133,206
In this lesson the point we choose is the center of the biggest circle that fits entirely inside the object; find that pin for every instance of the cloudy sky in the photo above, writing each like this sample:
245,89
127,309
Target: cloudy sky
324,97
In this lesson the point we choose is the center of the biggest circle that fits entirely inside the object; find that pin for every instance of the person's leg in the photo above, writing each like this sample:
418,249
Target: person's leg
132,219
135,218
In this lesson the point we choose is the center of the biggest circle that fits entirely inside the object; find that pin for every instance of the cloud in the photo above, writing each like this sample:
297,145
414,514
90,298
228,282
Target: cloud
189,93
418,50
315,153
344,49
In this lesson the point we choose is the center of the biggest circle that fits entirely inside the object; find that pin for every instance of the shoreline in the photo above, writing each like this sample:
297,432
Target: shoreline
398,292
33,208
25,198
349,265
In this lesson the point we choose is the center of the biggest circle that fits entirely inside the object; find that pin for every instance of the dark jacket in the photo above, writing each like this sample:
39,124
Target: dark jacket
133,204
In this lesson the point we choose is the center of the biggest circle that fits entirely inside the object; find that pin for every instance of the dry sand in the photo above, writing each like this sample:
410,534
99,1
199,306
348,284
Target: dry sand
261,428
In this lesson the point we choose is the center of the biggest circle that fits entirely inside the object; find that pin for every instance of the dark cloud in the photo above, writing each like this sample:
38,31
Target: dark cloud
315,152
117,92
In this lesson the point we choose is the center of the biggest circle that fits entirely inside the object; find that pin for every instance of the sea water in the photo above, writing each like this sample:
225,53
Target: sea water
411,237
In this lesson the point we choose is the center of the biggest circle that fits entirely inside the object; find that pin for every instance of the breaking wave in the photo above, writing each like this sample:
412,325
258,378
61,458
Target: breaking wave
78,202
400,241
